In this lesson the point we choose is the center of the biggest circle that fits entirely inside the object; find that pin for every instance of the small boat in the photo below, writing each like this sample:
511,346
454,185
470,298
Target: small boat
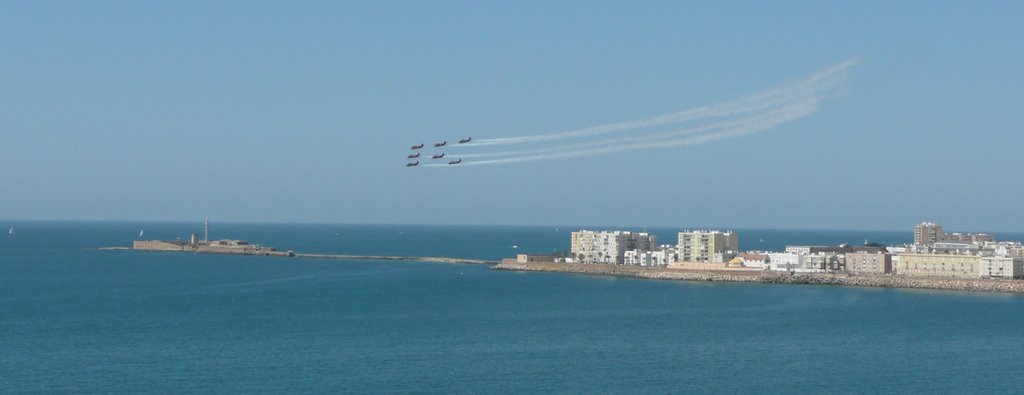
515,246
141,232
10,231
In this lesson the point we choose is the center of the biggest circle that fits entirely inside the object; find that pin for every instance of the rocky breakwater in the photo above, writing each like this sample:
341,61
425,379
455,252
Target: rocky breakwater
963,284
398,258
882,281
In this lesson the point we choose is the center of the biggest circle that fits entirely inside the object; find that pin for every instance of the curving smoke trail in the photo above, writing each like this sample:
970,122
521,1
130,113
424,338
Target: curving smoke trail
750,125
642,138
814,85
746,115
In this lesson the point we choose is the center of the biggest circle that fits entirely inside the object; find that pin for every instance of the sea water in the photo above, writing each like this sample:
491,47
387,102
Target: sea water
77,319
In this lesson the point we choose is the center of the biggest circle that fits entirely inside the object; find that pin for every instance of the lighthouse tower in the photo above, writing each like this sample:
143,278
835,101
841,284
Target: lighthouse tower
206,231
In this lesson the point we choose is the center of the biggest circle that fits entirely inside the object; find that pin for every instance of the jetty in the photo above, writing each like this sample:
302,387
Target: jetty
197,245
400,258
265,251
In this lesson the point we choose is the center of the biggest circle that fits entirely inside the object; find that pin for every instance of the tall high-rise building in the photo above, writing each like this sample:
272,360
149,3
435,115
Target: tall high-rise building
928,233
707,246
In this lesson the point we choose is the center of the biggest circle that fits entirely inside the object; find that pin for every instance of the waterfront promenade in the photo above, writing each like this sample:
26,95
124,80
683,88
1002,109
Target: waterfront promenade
881,281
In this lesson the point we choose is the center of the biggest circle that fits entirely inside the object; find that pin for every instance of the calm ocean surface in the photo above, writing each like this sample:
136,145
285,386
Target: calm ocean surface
75,319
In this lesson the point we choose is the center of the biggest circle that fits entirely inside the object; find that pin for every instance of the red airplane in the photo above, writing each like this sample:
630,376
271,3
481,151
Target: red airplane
441,144
417,146
411,164
455,162
438,156
413,156
465,140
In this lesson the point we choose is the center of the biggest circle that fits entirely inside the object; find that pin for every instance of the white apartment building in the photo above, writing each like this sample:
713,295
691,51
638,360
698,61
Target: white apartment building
753,259
609,247
710,246
1001,267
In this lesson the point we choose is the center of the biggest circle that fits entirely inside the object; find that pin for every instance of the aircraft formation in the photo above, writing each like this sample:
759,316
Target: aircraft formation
417,147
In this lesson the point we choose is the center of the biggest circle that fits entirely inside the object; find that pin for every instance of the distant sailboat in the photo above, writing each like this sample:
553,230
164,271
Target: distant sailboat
11,231
141,232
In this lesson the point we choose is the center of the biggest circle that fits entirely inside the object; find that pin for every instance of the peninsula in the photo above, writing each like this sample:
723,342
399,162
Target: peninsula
706,256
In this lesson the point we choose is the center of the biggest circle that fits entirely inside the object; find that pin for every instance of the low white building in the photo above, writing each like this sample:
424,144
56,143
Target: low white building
665,256
786,262
900,249
803,263
661,258
754,259
636,258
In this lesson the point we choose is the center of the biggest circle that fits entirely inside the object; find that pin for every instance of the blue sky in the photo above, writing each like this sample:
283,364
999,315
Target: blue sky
251,111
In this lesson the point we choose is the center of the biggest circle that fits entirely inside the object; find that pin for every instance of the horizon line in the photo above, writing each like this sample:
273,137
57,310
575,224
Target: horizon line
574,226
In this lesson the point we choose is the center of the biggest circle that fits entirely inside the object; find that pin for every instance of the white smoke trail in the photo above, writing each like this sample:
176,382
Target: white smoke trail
753,125
646,137
813,85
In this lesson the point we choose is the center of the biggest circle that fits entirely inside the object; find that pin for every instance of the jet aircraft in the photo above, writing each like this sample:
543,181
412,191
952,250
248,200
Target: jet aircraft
417,146
465,140
413,156
438,156
455,162
411,164
441,144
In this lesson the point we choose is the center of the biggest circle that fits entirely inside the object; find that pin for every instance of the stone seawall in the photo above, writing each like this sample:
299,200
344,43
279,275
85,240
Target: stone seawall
974,285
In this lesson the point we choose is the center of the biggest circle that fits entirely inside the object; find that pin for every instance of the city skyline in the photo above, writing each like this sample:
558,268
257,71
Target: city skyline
172,112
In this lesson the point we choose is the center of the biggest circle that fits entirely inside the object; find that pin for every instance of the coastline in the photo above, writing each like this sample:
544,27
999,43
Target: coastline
875,281
660,273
